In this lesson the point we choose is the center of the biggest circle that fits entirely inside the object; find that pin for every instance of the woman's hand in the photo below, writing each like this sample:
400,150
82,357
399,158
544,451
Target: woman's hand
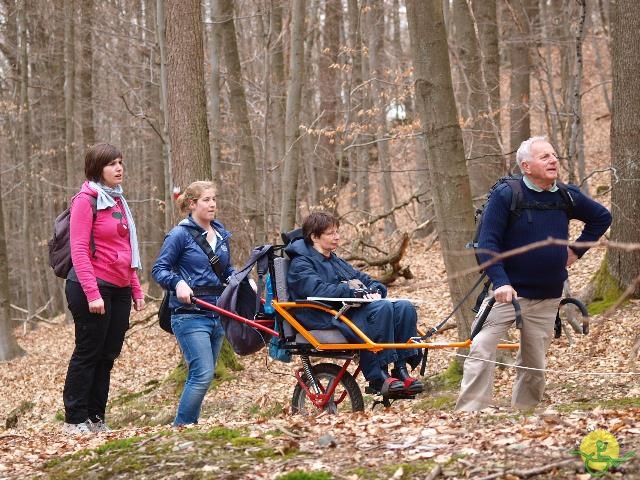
97,306
373,295
184,292
138,304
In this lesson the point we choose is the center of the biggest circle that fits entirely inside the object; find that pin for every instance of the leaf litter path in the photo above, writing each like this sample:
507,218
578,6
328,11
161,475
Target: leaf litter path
468,445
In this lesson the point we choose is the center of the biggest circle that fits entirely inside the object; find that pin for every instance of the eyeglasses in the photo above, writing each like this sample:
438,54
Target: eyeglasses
334,233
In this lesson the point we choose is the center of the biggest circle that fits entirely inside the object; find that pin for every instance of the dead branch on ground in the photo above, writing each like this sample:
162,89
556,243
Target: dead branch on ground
391,260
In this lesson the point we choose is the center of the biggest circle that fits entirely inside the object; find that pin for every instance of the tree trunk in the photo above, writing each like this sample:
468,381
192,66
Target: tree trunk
366,152
24,155
292,131
325,163
380,104
161,27
238,103
86,73
69,91
449,178
9,348
215,54
576,146
475,46
186,102
625,142
276,108
520,17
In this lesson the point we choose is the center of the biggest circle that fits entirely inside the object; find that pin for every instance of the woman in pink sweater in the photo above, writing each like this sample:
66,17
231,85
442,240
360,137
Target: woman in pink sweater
100,287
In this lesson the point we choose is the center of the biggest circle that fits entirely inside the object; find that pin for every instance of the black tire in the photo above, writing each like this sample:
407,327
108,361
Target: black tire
325,373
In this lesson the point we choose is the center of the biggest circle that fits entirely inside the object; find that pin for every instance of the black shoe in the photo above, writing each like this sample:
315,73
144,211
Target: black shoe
387,387
411,386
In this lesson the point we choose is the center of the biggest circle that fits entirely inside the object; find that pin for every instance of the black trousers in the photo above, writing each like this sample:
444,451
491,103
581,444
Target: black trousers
98,343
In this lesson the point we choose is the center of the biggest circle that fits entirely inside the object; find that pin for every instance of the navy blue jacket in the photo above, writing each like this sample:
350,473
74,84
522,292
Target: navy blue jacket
311,274
181,258
538,273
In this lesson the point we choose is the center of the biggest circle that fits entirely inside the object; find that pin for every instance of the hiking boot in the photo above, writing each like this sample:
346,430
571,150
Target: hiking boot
98,425
77,428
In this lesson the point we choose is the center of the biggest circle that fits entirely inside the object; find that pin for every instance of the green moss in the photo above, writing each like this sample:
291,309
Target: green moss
273,410
441,401
411,470
177,377
227,362
417,469
448,380
607,291
228,359
118,445
247,442
217,433
300,475
587,405
129,397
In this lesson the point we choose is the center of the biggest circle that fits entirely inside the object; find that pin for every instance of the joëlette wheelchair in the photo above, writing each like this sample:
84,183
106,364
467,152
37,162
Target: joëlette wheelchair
330,385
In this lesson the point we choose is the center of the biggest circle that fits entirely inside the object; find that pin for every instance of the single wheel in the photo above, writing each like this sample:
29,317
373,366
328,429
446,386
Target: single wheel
347,396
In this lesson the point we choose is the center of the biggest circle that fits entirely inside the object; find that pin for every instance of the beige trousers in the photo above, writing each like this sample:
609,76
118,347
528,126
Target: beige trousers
538,318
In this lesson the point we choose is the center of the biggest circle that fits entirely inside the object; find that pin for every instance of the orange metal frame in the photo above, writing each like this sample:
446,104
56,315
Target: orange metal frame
367,344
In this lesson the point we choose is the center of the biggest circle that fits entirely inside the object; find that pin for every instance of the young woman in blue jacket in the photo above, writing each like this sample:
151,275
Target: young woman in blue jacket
183,268
316,271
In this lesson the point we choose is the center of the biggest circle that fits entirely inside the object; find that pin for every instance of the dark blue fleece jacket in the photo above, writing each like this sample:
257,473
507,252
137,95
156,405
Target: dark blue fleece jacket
311,274
538,273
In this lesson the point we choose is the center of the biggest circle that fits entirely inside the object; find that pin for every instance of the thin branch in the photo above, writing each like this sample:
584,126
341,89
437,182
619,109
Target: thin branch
144,117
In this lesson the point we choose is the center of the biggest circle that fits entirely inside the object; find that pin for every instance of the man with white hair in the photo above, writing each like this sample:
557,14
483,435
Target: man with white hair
535,277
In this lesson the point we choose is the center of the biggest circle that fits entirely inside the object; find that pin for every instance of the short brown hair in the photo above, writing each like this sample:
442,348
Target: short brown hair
193,192
97,157
317,223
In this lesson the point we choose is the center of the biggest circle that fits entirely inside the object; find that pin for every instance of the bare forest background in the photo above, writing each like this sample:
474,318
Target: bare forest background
397,115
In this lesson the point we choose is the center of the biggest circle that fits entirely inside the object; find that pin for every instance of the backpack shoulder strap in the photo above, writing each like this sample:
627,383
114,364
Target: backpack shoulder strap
567,198
516,193
214,260
93,201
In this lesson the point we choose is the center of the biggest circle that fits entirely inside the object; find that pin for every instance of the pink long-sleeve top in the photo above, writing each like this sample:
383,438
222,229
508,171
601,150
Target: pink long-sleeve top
112,259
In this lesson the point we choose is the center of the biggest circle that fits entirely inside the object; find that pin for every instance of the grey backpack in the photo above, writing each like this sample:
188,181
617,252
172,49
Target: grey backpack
239,298
60,245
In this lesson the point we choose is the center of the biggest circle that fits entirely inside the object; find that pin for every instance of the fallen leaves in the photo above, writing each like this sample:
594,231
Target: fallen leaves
258,400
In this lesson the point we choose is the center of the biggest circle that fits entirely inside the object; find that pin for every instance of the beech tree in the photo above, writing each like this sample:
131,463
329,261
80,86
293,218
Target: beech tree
475,43
624,265
445,152
292,127
186,103
248,178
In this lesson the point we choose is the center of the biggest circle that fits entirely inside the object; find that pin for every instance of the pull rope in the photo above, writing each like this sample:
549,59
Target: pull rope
546,370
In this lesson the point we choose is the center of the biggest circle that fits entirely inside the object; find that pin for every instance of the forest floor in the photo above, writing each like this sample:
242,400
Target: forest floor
247,430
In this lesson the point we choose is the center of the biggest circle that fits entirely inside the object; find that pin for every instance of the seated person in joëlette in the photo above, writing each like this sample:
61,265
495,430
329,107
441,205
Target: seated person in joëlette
316,271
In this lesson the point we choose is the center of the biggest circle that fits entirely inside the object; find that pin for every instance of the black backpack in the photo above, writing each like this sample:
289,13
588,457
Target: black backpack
59,244
517,207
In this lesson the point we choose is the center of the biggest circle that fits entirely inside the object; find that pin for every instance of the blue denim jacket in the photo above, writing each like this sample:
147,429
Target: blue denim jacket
181,258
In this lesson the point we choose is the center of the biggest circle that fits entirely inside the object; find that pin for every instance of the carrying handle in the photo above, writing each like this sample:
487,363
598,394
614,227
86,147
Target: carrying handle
487,309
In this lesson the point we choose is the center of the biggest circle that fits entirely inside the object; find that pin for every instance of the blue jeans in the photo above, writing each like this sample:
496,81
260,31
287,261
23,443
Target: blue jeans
200,338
